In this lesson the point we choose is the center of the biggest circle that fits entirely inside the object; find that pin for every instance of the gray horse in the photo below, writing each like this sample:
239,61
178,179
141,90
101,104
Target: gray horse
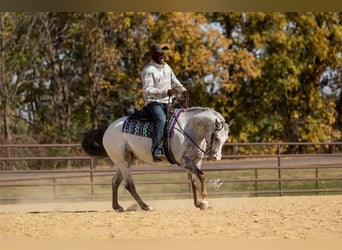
195,130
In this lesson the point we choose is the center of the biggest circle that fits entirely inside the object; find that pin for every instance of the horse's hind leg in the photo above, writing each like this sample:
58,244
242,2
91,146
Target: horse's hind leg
126,174
131,188
116,181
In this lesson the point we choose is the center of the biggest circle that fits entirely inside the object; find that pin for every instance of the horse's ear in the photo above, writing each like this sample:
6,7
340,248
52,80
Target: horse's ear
230,123
219,125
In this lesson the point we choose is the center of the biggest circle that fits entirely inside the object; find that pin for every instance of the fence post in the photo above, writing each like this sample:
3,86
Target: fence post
279,171
92,178
316,181
256,182
54,188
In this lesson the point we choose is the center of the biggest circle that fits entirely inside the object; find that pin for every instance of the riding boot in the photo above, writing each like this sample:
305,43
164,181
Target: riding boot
157,153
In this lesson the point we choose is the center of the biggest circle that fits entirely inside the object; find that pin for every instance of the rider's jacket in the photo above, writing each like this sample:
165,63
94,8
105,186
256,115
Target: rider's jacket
157,79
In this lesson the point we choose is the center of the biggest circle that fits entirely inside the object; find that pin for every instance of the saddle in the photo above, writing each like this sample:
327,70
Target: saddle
140,123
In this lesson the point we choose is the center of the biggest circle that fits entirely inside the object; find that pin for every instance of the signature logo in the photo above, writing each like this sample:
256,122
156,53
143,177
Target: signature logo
215,184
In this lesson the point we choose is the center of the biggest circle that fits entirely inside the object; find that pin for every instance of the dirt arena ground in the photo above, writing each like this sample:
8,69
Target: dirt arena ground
298,217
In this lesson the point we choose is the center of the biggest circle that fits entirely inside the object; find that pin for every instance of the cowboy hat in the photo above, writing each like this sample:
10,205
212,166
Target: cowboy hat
156,48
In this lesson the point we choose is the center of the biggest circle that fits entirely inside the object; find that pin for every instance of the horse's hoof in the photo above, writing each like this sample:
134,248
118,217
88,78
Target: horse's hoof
120,209
203,205
148,208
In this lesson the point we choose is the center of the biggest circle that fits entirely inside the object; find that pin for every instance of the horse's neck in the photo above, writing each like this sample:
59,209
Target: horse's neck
198,124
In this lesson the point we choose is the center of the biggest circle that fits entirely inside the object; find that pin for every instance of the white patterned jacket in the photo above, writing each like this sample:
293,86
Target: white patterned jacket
157,79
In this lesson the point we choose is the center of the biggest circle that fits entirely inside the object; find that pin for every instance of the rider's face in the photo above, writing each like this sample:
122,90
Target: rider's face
158,57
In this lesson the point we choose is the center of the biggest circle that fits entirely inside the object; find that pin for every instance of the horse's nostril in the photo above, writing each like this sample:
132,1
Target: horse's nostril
215,157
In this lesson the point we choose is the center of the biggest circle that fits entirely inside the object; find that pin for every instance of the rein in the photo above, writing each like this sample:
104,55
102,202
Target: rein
194,143
170,108
187,136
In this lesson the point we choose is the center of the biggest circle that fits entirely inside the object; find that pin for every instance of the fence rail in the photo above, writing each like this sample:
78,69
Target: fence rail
317,170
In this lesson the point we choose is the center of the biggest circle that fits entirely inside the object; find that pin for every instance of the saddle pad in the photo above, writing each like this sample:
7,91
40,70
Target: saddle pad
137,127
143,128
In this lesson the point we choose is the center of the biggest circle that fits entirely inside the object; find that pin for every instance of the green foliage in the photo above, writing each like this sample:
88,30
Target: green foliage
63,72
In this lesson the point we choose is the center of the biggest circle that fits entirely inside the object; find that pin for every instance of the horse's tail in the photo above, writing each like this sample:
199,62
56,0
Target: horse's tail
92,142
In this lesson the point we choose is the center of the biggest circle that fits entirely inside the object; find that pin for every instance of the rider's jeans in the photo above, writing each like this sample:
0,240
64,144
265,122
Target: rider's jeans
157,110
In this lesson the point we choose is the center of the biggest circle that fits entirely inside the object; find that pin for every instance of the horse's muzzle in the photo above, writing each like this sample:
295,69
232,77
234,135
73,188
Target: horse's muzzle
215,157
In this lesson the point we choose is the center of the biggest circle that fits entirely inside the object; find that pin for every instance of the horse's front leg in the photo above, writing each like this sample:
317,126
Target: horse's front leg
197,174
204,192
203,203
194,190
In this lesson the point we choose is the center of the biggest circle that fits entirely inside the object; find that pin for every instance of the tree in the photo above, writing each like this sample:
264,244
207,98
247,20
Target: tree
294,51
15,66
277,74
203,58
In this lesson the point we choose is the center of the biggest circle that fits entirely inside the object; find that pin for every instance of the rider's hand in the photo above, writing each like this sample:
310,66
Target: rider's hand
185,95
170,92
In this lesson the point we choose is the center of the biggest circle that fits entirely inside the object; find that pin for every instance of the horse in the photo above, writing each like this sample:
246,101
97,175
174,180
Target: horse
195,130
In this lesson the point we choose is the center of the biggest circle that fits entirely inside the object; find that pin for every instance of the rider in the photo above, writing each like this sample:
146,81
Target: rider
159,82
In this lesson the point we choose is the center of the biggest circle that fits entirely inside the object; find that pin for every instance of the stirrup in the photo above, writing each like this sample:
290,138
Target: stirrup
157,154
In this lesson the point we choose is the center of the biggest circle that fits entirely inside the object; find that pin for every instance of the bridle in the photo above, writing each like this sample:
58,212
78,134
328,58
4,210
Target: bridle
171,105
209,144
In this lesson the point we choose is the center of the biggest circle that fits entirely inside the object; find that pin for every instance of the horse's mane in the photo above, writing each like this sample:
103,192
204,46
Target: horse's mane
203,109
199,109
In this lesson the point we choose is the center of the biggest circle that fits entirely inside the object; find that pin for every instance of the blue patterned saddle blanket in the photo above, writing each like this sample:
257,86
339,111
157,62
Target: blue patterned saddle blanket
144,127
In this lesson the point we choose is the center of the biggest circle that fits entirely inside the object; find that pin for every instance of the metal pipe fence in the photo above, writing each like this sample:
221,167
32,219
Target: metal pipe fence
245,170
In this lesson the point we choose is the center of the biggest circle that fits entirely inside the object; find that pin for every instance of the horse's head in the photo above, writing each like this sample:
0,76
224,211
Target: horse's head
218,138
